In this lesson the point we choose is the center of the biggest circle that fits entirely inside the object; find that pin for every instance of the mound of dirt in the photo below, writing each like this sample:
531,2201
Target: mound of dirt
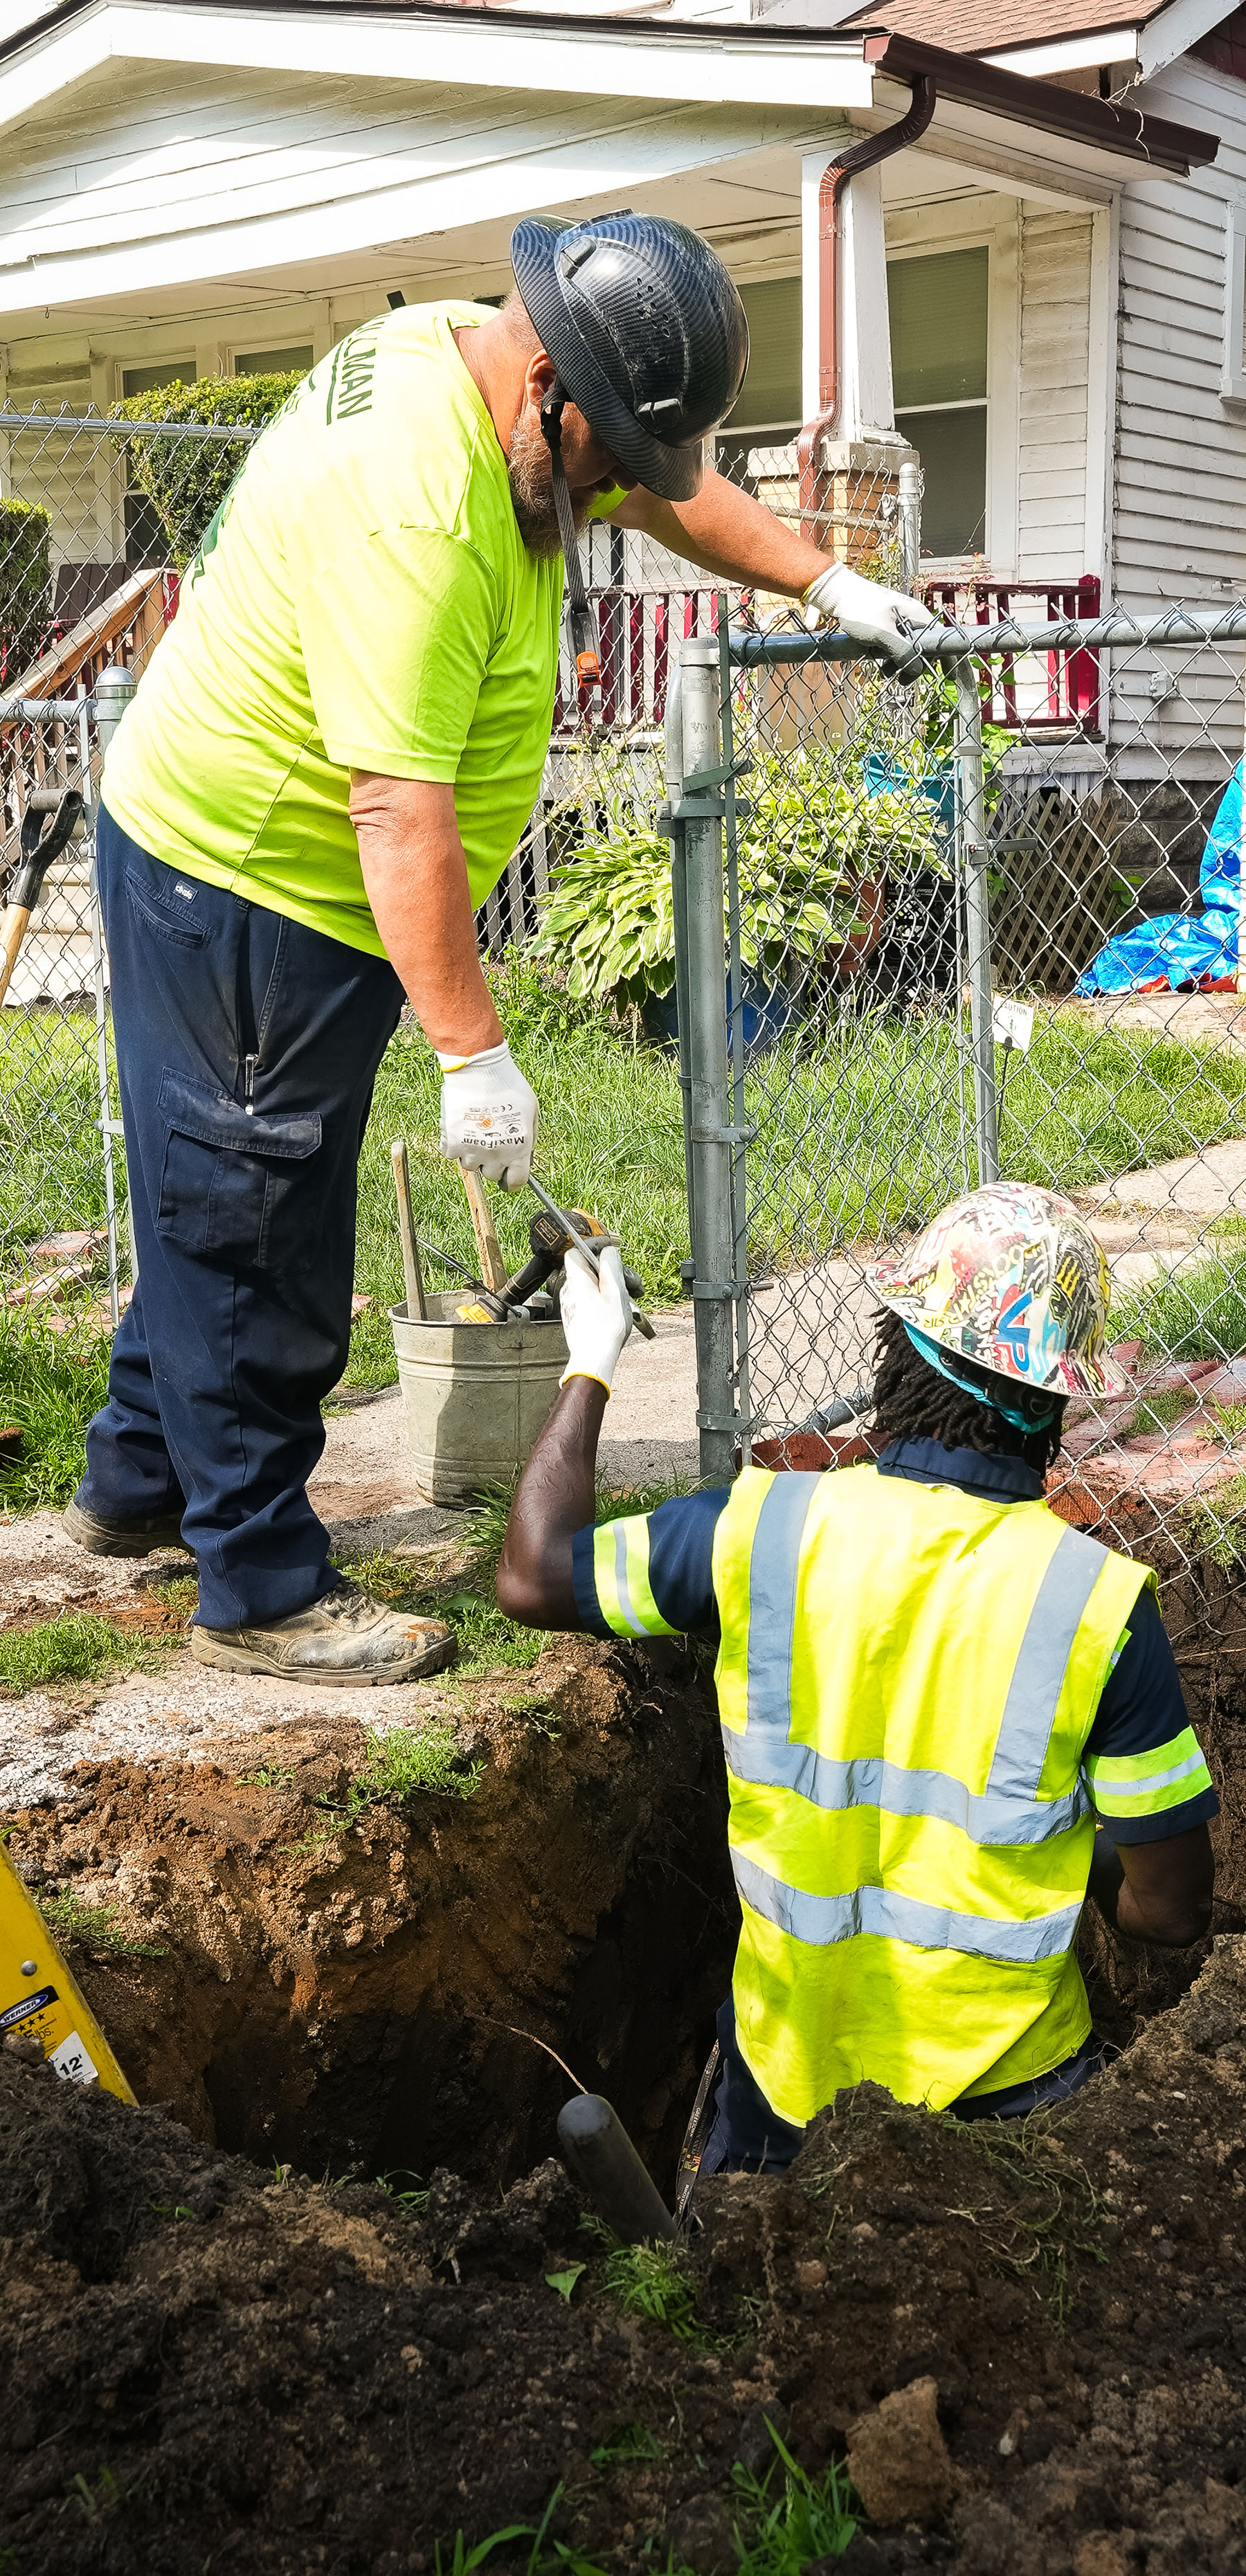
1032,2344
343,1999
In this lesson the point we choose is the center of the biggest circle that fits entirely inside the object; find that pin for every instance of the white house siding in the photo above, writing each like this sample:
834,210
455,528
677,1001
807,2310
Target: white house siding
1053,264
1179,514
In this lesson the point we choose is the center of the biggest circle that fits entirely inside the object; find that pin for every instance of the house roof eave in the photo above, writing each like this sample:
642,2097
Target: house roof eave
967,80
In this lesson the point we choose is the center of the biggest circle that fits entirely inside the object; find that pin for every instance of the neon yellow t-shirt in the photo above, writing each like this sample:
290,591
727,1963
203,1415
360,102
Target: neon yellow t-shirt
363,600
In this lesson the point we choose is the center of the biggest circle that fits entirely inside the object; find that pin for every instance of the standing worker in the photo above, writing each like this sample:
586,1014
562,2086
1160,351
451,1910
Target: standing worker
325,769
932,1691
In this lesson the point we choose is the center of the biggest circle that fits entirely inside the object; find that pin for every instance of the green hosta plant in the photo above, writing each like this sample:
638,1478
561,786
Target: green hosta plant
810,836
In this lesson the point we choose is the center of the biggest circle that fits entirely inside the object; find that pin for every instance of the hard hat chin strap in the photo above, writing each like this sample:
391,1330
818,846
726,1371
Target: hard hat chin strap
579,614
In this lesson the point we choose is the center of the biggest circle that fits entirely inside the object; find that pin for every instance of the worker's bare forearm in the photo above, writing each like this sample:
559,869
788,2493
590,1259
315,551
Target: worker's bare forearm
557,1495
728,533
415,878
1159,1892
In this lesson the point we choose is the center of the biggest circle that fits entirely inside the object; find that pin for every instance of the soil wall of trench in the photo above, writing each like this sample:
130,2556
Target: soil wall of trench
344,2002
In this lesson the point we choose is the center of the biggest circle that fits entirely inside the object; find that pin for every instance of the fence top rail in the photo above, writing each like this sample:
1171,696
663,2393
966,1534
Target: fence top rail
957,643
124,428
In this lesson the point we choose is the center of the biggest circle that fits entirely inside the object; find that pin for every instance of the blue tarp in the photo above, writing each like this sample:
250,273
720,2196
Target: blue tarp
1181,947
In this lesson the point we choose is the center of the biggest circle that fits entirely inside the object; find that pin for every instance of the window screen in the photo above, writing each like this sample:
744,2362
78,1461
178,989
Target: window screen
952,448
148,380
938,365
770,393
938,327
272,362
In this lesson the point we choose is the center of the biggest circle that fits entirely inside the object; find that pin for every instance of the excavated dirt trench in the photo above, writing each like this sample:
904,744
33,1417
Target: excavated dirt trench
1033,2357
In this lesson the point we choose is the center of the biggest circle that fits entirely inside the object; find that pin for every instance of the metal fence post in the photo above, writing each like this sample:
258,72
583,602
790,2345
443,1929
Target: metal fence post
673,771
910,526
712,1248
113,691
974,855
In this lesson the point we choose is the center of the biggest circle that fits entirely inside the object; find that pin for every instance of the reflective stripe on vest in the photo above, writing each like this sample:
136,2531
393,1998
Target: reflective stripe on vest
819,1920
1009,1811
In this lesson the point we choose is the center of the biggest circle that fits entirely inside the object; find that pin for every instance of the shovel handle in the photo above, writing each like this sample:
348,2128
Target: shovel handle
488,1249
413,1277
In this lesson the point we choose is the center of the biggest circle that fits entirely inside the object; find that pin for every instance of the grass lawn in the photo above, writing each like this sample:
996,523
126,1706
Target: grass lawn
860,1137
867,1137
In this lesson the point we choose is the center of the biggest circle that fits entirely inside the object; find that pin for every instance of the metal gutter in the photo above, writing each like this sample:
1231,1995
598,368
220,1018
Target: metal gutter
1066,112
1069,114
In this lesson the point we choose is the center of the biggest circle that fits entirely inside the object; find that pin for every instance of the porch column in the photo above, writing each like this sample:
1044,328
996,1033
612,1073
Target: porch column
865,399
850,492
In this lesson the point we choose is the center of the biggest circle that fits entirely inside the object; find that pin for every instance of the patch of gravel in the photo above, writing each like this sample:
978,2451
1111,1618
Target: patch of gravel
186,1711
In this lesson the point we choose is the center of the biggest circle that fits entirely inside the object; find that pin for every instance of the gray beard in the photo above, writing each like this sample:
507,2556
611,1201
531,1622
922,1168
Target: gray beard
530,474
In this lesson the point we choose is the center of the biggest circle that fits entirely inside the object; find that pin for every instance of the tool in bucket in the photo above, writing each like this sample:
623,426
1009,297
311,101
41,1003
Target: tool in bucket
412,1276
584,1243
42,841
40,2000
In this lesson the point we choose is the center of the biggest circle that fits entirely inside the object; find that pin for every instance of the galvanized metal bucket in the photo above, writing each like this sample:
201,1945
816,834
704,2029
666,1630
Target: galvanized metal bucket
476,1395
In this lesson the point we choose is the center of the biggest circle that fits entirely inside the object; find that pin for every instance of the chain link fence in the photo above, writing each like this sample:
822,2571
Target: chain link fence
98,519
982,925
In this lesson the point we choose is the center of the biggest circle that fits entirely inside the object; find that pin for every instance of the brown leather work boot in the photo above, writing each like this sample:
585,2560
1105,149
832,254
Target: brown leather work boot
346,1641
121,1538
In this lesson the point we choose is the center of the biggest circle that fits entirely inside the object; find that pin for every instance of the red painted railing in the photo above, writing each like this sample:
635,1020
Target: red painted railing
636,628
1072,685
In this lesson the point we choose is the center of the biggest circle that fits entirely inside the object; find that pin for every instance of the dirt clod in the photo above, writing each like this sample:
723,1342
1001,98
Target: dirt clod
898,2460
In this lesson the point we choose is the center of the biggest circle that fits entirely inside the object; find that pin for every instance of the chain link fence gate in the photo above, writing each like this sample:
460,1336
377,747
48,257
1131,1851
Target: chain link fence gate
98,520
896,987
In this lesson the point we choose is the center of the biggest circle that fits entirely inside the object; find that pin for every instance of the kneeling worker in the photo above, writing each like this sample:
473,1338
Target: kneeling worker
932,1691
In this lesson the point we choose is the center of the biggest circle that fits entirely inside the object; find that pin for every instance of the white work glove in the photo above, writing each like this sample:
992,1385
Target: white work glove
596,1315
489,1115
867,612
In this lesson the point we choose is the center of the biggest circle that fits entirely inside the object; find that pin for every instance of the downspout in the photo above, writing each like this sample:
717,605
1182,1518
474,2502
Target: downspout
835,178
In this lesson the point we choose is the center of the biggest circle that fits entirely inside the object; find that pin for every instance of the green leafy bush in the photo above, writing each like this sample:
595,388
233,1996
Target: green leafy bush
25,583
810,834
185,479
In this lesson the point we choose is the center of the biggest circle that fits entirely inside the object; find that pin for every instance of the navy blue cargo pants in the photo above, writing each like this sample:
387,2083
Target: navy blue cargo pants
247,1050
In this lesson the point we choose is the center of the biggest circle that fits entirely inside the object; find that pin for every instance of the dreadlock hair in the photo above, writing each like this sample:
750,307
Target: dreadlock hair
912,1402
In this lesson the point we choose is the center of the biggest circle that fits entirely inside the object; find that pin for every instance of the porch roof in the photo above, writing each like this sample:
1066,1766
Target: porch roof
215,140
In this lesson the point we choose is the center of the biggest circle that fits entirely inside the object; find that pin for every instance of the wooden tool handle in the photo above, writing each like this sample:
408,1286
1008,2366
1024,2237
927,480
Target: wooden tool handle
413,1279
488,1251
12,933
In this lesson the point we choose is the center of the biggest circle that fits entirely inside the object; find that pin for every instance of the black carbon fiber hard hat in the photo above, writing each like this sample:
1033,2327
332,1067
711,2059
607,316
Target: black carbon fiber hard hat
646,330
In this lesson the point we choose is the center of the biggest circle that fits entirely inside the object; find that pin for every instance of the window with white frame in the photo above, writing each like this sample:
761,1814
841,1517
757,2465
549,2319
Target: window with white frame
939,304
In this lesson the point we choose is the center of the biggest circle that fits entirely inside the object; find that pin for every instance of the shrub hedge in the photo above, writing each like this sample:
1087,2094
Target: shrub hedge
186,479
25,583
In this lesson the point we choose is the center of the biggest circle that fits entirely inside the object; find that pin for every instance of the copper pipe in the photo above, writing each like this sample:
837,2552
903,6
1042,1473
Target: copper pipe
835,178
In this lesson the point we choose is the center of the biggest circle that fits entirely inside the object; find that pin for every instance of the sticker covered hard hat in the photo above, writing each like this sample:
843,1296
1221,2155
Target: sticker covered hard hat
1012,1278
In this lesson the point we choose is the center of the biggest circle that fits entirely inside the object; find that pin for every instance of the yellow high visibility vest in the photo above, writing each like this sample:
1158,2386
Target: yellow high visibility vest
907,1678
